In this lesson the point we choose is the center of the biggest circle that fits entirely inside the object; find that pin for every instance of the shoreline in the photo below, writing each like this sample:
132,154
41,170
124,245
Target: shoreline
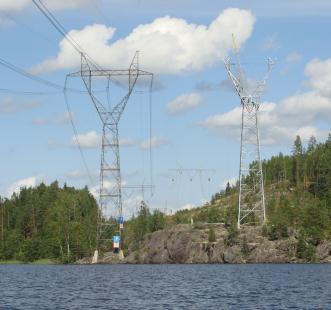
44,261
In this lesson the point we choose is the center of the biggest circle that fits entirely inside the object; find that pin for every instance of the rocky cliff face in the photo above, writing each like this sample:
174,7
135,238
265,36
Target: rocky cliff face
183,244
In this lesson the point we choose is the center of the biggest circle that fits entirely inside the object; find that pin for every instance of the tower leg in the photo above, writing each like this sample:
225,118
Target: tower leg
251,207
110,182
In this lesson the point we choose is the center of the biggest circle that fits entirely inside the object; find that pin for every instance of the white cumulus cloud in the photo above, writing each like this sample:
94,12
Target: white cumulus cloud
89,140
153,142
187,206
319,73
279,123
232,181
127,142
299,114
184,103
81,174
167,45
9,105
28,182
62,119
130,204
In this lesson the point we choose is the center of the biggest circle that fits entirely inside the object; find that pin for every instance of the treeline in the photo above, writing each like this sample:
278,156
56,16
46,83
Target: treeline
60,223
298,197
307,169
143,223
298,191
48,222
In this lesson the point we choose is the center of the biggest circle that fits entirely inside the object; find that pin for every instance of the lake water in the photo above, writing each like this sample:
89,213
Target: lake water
165,287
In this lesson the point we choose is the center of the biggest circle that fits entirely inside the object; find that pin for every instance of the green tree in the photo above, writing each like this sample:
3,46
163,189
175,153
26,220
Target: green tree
228,189
140,224
297,161
211,235
157,221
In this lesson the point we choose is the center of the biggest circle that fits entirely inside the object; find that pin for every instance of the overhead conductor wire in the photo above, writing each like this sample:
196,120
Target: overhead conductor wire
34,78
28,75
58,26
76,133
151,134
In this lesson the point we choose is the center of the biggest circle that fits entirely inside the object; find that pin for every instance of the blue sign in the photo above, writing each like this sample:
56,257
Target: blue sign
121,220
116,239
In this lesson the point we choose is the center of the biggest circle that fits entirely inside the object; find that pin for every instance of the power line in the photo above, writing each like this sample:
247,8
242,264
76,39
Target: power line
37,79
74,128
151,133
251,185
28,75
58,26
28,93
47,83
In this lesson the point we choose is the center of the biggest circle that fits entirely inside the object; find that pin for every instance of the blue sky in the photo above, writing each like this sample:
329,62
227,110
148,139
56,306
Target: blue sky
195,111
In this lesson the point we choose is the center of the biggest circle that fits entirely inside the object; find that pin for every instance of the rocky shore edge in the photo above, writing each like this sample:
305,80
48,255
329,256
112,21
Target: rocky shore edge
186,244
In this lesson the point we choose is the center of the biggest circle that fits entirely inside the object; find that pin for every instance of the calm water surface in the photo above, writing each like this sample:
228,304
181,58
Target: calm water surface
165,287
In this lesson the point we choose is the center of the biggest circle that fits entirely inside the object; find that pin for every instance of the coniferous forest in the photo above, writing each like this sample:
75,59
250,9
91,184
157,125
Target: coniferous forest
48,222
60,223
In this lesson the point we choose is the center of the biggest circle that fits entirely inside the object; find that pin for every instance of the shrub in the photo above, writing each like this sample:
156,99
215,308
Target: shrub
305,250
231,239
244,247
211,235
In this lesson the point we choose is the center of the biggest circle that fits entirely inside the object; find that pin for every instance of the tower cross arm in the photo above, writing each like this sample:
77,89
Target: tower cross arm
133,73
89,71
233,78
261,85
109,73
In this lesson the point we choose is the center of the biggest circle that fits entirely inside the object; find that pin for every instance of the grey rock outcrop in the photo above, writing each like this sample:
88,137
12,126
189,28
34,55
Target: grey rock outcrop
184,244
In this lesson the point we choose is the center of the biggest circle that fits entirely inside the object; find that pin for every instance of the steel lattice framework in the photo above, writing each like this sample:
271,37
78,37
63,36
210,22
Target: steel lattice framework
251,204
110,195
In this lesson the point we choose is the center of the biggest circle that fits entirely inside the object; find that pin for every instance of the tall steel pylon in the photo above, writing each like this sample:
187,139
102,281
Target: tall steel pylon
251,204
110,194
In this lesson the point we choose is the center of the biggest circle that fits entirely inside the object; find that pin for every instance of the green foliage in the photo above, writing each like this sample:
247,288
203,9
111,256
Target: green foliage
181,217
301,247
315,222
209,214
48,222
305,250
156,221
140,224
244,247
278,231
144,223
232,236
298,189
228,189
211,235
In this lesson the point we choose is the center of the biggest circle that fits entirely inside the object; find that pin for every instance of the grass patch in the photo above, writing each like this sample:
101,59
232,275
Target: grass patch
43,261
10,262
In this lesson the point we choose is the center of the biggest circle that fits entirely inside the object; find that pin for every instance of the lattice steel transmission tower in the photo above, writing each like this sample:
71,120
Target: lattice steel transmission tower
110,195
251,204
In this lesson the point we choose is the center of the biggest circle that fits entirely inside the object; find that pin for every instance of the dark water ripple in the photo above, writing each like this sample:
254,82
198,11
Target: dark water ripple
165,287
